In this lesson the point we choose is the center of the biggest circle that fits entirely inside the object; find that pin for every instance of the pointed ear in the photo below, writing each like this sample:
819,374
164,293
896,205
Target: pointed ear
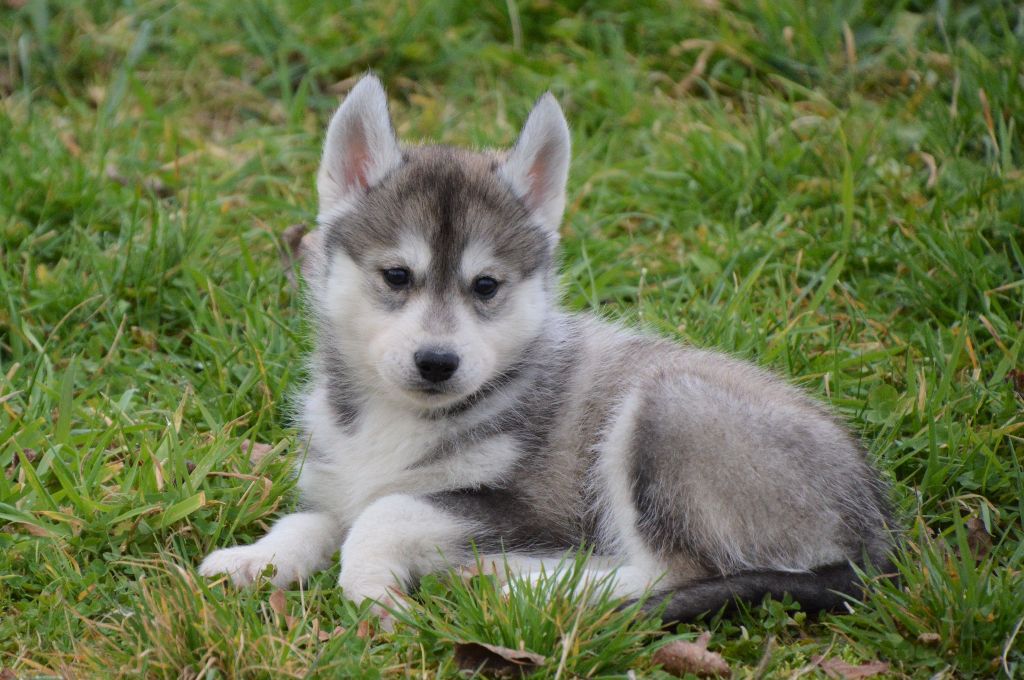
360,147
538,165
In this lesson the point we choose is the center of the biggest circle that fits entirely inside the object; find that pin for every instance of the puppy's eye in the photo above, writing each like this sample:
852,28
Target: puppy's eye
484,287
397,277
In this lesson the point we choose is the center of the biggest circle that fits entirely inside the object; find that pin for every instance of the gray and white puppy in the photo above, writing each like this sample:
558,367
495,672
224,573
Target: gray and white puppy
452,404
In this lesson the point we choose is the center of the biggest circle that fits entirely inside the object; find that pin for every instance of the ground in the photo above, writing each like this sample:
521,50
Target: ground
831,189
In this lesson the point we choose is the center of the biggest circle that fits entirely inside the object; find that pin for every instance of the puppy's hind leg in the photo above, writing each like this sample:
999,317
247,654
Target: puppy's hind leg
599,574
641,564
297,545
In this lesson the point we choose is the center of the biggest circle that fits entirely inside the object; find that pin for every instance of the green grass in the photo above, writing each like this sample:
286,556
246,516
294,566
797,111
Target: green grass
833,189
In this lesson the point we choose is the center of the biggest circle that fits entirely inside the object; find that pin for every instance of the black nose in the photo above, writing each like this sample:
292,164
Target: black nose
436,365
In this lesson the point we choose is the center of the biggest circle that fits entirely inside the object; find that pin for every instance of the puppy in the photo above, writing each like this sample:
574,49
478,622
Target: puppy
453,406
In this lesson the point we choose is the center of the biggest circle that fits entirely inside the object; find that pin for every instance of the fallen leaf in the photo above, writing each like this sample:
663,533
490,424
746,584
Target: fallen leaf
495,661
365,630
278,602
33,529
978,538
280,605
8,674
324,636
843,670
680,658
256,450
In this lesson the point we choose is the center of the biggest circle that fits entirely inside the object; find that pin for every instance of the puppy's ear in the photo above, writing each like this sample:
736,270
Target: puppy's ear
360,147
538,165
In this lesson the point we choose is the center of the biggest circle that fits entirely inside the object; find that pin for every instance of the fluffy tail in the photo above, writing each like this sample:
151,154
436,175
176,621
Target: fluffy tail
818,590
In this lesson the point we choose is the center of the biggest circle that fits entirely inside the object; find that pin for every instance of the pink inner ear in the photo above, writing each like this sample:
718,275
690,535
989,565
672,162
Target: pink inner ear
537,181
357,163
355,169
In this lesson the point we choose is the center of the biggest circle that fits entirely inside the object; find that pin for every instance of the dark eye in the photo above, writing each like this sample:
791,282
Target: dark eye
397,277
485,287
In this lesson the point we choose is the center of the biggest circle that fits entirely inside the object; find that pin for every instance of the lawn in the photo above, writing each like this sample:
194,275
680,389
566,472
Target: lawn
831,189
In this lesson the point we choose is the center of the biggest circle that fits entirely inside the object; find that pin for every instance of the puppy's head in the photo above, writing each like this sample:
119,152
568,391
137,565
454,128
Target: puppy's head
434,269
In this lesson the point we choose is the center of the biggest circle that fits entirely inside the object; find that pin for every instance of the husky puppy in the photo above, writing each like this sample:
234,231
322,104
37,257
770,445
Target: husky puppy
453,406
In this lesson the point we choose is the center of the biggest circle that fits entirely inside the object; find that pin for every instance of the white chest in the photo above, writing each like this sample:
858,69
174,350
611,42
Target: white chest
352,467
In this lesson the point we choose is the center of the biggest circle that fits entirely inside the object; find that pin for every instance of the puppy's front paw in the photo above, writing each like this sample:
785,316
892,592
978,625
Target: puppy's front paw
244,564
358,587
382,588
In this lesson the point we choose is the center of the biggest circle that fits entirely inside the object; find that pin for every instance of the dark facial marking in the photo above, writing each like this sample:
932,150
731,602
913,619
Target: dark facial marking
342,395
450,198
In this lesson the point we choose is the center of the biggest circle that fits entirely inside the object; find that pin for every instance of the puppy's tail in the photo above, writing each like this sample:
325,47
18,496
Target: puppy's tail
823,589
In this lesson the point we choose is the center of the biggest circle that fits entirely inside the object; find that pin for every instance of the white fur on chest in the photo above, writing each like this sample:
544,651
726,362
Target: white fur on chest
378,456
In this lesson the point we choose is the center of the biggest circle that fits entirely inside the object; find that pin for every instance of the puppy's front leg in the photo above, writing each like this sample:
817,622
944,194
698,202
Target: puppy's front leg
297,545
396,540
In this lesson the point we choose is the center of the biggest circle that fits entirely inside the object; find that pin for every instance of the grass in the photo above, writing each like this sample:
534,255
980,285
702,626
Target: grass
832,189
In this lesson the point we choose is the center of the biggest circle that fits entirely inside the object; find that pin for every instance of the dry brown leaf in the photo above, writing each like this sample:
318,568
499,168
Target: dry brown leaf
680,658
324,636
495,661
280,606
978,538
843,670
255,450
278,602
365,630
33,529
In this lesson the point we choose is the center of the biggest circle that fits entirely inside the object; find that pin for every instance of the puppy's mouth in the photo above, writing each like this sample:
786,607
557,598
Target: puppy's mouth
434,390
436,395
